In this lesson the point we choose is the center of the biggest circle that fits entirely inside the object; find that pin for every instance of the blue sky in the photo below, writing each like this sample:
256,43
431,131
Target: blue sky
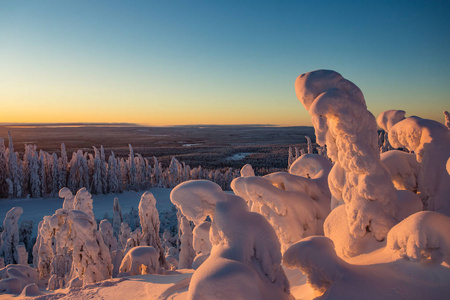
216,62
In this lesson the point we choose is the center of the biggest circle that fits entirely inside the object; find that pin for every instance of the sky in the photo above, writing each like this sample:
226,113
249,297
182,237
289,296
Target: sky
184,62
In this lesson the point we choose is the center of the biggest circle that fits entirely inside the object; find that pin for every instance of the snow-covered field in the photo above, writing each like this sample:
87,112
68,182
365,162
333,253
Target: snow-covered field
36,209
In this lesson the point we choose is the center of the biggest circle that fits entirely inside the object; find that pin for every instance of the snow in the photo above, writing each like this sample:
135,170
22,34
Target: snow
422,236
334,278
247,170
430,141
358,178
10,236
238,156
36,209
139,261
245,253
378,242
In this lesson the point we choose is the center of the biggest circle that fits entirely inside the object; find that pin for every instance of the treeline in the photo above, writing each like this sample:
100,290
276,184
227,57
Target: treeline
41,174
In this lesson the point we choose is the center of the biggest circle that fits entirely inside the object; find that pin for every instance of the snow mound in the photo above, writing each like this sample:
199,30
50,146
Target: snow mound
140,260
246,251
422,236
13,278
333,278
31,290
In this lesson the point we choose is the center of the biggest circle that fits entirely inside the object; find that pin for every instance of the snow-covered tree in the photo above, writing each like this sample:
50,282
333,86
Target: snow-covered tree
14,171
117,217
430,141
187,253
43,253
125,234
3,170
91,258
25,233
132,171
10,236
104,172
97,180
447,119
291,157
156,173
245,246
68,198
32,171
63,164
113,175
309,145
106,231
358,178
148,215
83,202
78,172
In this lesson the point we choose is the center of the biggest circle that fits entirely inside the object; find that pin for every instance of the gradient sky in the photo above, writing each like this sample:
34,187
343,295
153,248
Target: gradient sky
216,62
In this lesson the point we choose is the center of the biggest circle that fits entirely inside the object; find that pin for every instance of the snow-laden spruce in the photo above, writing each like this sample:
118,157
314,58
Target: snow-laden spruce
106,231
91,258
149,217
187,253
201,243
358,178
295,206
10,236
430,141
117,217
245,259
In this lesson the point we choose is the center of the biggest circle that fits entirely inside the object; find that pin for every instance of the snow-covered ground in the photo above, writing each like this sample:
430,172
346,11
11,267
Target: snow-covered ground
36,209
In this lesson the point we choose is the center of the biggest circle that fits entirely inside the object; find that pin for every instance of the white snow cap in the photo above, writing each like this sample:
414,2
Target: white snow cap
247,170
68,198
389,118
83,202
